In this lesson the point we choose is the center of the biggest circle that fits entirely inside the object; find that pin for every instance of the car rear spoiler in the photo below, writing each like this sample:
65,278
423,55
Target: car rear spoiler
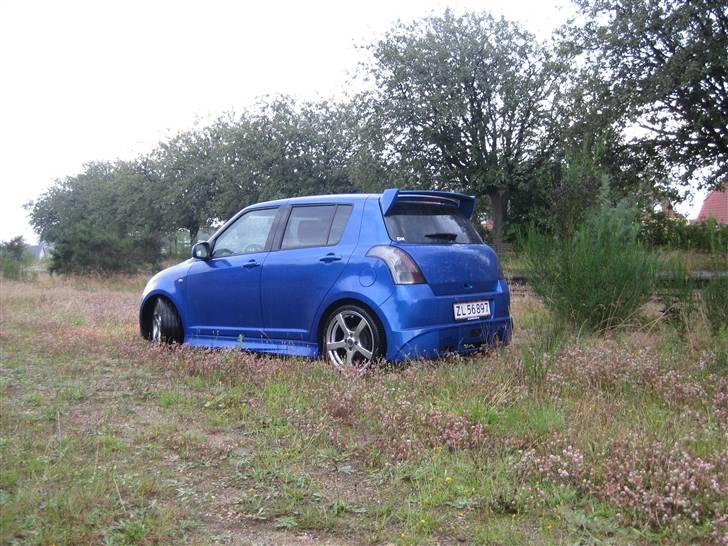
390,197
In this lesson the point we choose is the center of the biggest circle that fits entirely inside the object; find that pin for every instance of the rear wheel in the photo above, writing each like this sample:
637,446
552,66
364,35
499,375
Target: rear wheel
352,338
166,326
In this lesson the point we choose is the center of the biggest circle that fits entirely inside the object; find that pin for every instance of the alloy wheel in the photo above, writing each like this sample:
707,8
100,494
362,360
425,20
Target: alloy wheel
156,326
349,341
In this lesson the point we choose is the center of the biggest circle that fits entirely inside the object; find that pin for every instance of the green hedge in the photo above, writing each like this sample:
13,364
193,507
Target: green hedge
660,231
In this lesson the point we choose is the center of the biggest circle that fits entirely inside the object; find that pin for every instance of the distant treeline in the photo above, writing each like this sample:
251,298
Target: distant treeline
469,103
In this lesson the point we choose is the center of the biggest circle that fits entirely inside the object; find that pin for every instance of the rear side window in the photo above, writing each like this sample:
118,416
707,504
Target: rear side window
429,223
341,218
320,225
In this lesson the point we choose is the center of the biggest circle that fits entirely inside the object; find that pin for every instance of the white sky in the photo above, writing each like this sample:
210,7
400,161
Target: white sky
100,80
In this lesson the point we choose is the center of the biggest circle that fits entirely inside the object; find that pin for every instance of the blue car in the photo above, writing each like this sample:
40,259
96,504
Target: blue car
398,275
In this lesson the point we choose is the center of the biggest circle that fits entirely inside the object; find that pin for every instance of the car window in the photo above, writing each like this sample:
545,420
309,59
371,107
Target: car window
429,223
341,218
308,226
248,234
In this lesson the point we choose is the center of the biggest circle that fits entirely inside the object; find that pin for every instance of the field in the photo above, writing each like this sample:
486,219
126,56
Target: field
105,438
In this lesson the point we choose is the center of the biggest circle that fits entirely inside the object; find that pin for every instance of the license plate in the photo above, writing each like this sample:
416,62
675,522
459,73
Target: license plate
471,310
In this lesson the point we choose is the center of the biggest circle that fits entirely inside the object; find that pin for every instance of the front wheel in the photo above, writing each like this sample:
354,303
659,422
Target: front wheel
352,338
166,326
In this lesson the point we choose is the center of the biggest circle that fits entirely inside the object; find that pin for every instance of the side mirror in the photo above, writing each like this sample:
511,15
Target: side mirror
201,251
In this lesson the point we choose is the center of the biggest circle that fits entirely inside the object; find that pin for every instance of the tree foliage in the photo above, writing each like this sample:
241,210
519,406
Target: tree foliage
108,217
14,248
469,102
665,63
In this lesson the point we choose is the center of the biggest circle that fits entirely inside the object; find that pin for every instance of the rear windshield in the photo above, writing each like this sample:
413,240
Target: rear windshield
429,223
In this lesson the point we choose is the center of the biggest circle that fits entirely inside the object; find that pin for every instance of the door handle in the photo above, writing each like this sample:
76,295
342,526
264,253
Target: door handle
330,257
251,264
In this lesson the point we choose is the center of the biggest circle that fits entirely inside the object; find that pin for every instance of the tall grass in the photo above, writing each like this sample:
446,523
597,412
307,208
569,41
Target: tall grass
539,356
597,279
677,294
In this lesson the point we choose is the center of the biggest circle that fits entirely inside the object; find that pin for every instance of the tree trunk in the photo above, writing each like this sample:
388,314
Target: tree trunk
498,203
194,230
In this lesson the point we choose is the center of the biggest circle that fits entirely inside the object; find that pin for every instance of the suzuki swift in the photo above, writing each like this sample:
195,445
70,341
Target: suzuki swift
401,275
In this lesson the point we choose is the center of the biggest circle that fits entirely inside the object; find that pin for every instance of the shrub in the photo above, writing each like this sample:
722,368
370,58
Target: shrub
715,298
600,277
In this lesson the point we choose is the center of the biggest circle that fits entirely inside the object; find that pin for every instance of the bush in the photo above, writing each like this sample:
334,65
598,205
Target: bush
715,298
13,259
599,278
89,250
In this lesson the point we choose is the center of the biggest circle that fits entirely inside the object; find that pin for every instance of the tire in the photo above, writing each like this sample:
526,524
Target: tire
165,326
352,338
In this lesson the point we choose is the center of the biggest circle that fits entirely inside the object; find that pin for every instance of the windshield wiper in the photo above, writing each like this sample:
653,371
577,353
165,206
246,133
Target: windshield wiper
445,236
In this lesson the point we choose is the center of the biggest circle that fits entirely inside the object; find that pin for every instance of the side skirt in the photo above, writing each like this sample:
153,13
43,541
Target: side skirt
272,346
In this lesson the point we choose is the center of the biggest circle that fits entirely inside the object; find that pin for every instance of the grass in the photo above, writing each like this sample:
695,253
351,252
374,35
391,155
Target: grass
105,438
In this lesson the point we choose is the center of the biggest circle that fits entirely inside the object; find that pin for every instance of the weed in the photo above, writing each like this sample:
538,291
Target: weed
169,399
539,356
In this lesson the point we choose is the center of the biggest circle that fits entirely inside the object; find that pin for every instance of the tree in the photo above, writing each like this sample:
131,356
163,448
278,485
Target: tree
185,173
14,248
287,149
469,102
665,63
283,149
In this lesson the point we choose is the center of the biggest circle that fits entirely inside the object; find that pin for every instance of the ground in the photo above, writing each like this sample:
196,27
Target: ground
105,438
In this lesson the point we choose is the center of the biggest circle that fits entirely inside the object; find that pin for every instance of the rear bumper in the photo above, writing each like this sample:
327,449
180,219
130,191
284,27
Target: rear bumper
421,324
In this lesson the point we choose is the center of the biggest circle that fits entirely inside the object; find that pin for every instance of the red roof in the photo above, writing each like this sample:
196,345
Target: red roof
715,206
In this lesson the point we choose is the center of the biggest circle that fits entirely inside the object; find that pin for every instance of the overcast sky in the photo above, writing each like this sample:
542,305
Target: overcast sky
101,80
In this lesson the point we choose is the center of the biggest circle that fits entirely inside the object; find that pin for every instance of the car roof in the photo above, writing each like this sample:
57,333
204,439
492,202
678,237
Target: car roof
315,199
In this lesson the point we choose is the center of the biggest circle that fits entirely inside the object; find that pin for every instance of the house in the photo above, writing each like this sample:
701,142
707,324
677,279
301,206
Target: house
715,206
39,251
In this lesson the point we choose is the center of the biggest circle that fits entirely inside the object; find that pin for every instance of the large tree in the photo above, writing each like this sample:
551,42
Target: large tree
469,103
666,65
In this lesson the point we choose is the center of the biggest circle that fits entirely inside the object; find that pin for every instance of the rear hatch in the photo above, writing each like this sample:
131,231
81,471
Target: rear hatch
434,228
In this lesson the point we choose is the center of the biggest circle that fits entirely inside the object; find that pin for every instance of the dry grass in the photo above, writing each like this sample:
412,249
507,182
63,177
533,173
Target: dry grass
105,438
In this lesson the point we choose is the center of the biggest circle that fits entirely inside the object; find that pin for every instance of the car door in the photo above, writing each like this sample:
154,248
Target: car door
223,292
312,255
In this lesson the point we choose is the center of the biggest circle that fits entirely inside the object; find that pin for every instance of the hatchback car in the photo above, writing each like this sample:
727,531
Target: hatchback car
398,275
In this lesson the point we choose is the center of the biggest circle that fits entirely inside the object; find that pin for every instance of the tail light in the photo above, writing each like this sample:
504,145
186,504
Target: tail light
403,268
